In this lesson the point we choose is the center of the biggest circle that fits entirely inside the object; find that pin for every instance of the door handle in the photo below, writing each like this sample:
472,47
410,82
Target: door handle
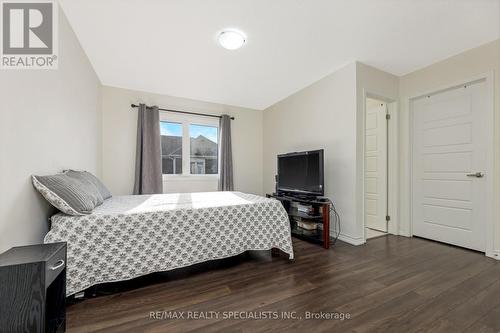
477,175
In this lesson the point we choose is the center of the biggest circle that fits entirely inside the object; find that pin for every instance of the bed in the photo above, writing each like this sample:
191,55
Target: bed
130,236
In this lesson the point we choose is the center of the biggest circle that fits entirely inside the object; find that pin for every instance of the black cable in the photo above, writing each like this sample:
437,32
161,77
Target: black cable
337,218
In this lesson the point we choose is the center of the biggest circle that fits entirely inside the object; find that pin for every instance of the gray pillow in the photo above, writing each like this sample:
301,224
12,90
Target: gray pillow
69,195
87,177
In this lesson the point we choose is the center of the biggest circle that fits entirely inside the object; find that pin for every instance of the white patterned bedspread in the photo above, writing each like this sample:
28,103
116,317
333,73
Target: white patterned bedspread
130,236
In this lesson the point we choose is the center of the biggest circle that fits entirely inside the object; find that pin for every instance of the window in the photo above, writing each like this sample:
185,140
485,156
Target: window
171,147
204,149
198,136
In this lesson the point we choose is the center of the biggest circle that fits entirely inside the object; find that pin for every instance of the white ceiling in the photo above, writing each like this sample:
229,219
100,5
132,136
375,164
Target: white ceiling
169,46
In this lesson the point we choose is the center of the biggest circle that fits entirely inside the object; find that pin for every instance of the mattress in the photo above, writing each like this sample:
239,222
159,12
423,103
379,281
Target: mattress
130,236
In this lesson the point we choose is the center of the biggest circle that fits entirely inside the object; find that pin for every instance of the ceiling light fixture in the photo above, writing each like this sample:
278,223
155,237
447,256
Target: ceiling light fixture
231,39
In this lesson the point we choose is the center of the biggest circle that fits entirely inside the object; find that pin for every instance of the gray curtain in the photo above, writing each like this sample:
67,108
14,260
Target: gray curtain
148,173
226,155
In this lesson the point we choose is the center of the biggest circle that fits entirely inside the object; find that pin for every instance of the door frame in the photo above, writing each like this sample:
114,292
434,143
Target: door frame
392,163
492,146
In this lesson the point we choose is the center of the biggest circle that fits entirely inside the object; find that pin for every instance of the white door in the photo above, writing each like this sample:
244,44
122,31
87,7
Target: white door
376,167
449,148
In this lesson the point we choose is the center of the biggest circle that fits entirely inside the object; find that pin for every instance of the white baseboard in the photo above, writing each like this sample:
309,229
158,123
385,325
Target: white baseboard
351,240
493,254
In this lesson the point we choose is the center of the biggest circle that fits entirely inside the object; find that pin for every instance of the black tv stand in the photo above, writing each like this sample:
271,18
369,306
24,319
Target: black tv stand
303,198
320,214
300,197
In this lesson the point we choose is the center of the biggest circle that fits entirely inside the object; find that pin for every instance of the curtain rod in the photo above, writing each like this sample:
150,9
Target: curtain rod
184,112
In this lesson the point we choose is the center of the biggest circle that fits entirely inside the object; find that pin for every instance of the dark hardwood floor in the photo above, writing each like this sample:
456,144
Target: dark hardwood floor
391,284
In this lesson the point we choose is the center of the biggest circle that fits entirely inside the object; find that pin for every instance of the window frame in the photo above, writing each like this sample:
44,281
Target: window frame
185,121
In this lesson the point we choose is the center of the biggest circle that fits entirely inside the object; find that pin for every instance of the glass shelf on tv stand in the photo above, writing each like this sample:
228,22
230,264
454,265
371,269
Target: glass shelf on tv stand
321,216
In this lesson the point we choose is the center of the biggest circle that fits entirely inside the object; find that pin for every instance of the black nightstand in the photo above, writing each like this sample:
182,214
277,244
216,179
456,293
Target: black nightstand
33,288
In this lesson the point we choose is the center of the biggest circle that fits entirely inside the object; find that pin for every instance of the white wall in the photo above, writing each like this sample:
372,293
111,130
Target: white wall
322,115
119,141
50,120
452,71
329,114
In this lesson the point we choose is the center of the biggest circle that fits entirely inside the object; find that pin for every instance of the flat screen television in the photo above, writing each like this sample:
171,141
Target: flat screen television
301,173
